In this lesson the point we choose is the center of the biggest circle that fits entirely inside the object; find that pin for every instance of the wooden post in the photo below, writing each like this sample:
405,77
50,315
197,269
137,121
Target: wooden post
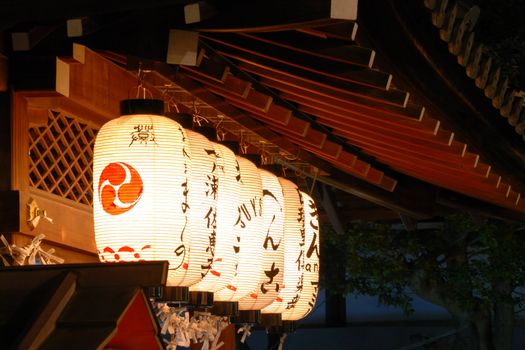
5,138
3,73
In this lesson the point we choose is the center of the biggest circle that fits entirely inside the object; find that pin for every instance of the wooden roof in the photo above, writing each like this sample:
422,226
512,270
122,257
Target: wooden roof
329,99
369,111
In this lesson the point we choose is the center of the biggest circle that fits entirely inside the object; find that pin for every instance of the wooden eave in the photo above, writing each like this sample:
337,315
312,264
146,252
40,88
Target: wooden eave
318,96
323,105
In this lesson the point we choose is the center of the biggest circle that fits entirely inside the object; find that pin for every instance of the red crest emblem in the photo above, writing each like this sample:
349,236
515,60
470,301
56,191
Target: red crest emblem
119,188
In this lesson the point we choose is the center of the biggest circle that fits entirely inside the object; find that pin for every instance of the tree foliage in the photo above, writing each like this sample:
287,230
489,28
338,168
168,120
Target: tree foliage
474,267
502,31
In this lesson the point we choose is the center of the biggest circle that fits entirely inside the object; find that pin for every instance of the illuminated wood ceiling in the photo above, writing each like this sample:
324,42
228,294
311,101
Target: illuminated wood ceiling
336,106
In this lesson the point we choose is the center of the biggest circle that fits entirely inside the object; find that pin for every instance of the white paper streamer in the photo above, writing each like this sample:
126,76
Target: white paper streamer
29,254
203,327
246,331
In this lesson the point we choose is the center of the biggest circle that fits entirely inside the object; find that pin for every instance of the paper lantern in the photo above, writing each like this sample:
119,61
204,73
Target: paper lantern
309,291
271,274
203,190
294,241
225,257
249,235
141,169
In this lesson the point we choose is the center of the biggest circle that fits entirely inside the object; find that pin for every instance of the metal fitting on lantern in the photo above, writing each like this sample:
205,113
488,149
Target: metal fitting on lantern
247,316
141,106
169,295
225,308
285,327
271,320
201,299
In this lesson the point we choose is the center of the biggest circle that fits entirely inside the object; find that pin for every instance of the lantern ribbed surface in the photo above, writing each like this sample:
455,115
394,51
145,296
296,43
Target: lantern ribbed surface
141,169
225,258
294,240
311,264
203,204
248,227
271,274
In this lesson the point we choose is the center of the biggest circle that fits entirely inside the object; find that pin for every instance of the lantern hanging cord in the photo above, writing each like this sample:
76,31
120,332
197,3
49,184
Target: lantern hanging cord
242,144
197,117
220,133
314,181
264,154
141,89
172,102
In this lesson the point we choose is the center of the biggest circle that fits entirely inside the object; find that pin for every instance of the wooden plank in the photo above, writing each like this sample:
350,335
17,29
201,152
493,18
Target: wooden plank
368,136
19,144
435,168
244,119
70,255
5,137
345,118
44,323
263,15
251,59
336,65
343,30
384,149
96,82
9,211
307,41
3,72
275,79
74,230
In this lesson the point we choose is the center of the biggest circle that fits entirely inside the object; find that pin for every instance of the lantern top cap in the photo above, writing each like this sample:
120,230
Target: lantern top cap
142,106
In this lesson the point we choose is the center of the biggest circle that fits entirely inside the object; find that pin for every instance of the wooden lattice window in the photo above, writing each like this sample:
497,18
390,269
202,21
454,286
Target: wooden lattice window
61,157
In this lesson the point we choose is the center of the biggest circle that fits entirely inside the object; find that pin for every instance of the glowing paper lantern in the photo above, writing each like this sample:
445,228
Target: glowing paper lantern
294,240
250,237
311,264
225,258
271,274
203,190
141,169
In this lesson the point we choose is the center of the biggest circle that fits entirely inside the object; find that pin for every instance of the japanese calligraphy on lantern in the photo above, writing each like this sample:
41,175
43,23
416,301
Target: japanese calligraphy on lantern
271,274
294,242
310,281
225,187
138,195
203,203
250,236
142,134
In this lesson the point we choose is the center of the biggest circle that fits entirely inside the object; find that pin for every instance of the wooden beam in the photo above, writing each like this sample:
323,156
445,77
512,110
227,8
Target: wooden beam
421,58
9,211
3,73
182,47
199,11
343,30
245,119
469,204
95,82
266,15
286,69
335,63
411,196
44,323
27,39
